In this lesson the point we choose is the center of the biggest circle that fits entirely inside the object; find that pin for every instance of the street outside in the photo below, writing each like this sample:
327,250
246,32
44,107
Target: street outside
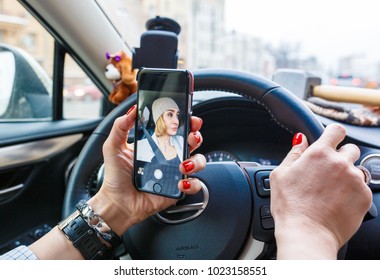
81,109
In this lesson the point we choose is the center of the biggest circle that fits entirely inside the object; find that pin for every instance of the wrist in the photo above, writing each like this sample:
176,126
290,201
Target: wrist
112,212
64,249
305,241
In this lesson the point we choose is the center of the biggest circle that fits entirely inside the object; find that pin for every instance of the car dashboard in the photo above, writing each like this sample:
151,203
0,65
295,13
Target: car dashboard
237,129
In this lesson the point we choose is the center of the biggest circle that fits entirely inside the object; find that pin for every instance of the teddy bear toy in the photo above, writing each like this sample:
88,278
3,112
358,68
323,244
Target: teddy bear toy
120,72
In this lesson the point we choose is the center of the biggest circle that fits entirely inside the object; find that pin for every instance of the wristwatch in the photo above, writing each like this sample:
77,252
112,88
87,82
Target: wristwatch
84,237
98,224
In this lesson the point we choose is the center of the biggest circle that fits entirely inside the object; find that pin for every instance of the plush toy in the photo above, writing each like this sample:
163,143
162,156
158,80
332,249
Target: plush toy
123,77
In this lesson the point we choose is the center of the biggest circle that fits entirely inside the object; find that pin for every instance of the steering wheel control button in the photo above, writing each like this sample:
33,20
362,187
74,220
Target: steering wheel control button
266,184
267,223
265,212
262,183
372,163
157,188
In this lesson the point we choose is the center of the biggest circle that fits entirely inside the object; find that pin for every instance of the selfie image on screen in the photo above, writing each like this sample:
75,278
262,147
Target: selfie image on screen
160,142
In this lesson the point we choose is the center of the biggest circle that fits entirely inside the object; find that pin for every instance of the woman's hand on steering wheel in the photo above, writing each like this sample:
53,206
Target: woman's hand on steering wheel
318,196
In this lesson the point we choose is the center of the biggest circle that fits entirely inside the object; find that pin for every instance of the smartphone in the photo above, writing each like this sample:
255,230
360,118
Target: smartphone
164,100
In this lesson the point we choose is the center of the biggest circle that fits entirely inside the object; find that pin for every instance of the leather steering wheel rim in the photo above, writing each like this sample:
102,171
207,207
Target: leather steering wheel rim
284,107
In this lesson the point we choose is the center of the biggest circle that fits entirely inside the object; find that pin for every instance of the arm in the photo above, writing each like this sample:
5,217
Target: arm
318,197
118,202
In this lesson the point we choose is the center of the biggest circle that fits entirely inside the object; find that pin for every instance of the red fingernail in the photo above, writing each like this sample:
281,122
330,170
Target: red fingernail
131,109
188,165
297,139
186,185
197,137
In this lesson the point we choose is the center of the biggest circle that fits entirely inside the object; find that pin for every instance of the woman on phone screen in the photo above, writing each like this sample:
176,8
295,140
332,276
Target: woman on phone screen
166,118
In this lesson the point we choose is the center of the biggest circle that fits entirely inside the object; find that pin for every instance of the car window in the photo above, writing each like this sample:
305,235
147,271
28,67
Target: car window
81,98
26,51
26,71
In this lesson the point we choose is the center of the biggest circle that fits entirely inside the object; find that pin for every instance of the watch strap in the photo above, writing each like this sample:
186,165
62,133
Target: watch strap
85,239
98,224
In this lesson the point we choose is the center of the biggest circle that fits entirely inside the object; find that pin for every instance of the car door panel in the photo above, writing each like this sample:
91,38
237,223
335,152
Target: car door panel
35,161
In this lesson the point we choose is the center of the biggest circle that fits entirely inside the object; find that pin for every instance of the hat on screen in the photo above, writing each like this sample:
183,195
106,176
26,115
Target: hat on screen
161,105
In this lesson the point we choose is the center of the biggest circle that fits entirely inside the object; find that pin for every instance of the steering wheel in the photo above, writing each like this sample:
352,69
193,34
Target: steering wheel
230,217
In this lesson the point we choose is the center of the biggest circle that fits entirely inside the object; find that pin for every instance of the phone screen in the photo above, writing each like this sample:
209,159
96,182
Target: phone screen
162,125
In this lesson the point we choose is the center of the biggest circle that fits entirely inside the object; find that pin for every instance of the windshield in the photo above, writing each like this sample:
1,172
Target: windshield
330,38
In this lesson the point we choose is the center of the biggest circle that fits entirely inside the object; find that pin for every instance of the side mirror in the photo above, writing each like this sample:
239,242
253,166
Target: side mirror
25,88
7,77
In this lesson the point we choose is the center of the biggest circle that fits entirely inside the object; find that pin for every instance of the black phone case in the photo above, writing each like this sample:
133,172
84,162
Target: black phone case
159,175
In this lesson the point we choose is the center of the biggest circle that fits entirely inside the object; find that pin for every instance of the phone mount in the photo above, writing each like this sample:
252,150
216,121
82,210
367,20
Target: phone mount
158,45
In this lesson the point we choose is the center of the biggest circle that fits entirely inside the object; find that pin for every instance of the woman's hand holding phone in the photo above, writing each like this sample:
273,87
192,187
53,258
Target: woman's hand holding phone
122,204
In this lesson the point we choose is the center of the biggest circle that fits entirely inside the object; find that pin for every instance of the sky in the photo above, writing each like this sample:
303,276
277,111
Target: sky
327,29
